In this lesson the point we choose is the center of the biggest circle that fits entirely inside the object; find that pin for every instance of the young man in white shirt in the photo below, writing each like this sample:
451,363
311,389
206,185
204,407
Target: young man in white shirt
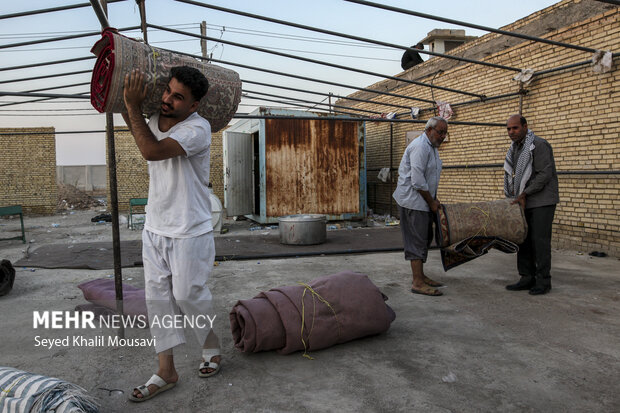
178,248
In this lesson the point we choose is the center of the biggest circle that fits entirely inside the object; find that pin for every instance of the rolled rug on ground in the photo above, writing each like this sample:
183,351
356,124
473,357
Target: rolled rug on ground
329,310
117,55
102,292
24,392
468,230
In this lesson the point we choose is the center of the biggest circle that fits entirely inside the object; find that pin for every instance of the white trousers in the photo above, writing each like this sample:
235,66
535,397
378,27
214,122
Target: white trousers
176,271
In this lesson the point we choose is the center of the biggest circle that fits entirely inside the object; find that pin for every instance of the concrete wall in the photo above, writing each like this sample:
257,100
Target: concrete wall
28,169
83,177
576,110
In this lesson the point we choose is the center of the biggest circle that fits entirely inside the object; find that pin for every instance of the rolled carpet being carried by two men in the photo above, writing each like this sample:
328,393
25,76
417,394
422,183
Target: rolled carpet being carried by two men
118,55
468,230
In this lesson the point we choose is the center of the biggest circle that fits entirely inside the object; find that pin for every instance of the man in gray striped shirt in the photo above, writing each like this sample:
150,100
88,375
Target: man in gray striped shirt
416,196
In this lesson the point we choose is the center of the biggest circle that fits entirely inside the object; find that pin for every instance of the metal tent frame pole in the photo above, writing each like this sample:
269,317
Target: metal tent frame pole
116,241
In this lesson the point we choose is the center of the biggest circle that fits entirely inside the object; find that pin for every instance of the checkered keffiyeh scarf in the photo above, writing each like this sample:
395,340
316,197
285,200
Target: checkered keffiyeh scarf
515,177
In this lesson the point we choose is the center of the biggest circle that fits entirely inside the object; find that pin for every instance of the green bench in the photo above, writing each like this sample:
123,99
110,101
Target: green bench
14,210
135,202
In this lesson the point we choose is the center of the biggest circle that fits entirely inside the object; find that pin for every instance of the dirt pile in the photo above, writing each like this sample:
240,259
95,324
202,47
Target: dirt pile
70,197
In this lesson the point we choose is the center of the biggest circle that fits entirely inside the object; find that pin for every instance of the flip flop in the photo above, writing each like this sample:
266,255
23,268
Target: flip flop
427,291
144,389
432,283
208,354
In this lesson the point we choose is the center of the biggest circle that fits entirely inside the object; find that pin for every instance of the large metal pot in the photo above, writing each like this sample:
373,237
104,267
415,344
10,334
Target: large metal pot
302,229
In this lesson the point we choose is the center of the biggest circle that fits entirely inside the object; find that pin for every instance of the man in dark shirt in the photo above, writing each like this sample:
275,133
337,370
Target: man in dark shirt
411,58
531,180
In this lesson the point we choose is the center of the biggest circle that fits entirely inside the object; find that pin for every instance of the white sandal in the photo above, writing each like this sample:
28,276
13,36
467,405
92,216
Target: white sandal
144,389
207,355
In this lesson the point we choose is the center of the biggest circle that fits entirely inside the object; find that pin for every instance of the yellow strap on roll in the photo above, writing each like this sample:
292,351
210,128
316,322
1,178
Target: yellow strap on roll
315,296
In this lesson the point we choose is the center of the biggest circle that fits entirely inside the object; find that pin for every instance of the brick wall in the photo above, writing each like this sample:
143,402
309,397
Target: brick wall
132,173
216,174
576,110
132,177
28,169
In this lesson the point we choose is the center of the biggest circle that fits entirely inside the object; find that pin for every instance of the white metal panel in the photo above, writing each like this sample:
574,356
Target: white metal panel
238,178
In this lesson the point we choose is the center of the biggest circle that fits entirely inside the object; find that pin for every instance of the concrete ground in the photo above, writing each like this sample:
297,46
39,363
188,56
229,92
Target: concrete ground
478,348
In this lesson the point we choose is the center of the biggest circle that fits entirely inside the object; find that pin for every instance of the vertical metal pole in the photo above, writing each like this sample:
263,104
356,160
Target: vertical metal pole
203,41
143,20
116,241
101,15
391,172
330,102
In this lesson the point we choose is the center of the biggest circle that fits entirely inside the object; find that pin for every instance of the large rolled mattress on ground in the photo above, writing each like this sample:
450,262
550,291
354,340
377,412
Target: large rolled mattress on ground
117,55
467,231
24,392
329,310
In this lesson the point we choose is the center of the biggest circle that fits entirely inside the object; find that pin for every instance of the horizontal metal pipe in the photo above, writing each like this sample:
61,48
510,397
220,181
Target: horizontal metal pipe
588,172
55,62
314,103
51,9
473,26
45,76
75,132
346,36
51,39
24,102
58,87
44,95
569,66
474,166
361,119
470,102
324,94
319,62
58,39
299,105
326,82
560,172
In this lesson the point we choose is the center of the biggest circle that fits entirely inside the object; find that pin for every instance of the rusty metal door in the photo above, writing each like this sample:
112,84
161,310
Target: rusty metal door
238,175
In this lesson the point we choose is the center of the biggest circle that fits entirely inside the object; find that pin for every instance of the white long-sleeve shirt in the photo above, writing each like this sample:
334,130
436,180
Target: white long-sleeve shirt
419,169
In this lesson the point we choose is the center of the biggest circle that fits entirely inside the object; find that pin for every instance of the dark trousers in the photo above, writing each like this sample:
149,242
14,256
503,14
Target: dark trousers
534,256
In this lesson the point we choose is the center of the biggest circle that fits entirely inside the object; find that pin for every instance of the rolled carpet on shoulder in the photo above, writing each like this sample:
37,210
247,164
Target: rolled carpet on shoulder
117,55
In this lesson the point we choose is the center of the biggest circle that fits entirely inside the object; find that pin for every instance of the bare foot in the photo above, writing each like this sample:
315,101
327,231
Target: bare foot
432,283
425,290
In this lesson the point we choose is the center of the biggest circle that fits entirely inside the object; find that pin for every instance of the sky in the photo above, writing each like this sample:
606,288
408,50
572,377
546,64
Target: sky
334,15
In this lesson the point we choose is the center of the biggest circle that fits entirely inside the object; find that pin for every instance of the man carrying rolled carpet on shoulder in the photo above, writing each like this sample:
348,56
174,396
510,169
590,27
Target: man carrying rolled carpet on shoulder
178,247
416,196
531,179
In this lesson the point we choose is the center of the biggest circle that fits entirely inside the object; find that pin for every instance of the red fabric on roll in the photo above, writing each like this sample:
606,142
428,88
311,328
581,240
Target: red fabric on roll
103,70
